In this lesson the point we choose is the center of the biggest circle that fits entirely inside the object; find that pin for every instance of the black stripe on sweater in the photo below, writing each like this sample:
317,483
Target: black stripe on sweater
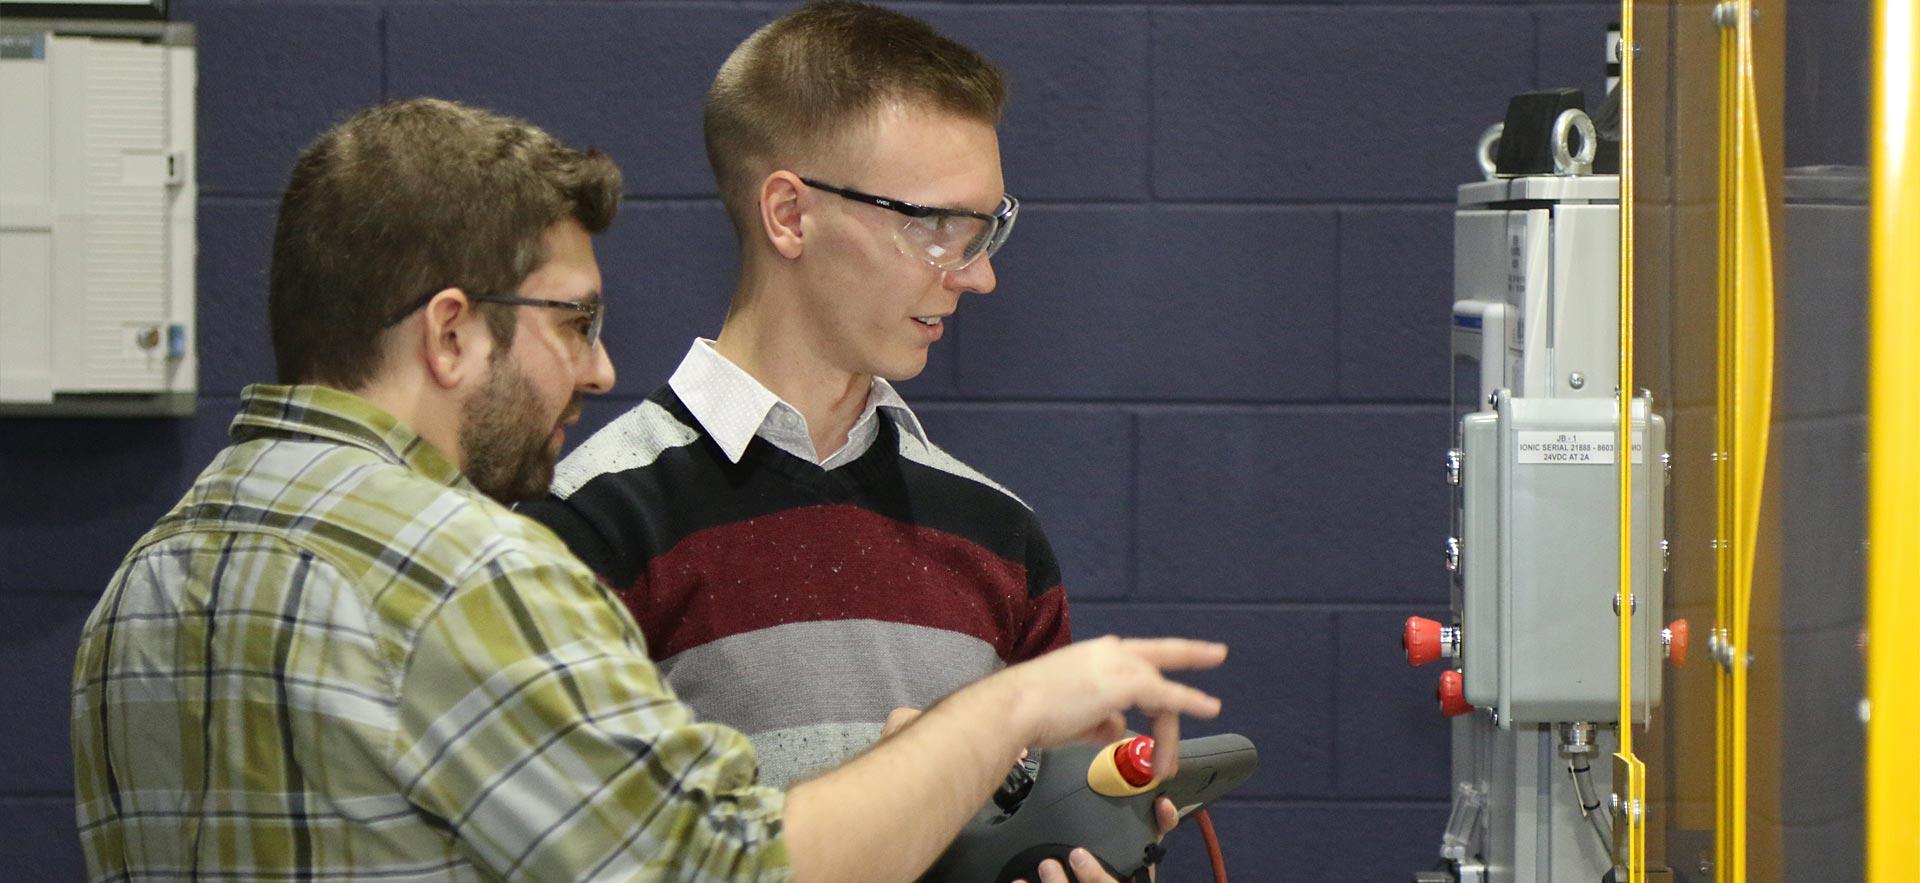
618,521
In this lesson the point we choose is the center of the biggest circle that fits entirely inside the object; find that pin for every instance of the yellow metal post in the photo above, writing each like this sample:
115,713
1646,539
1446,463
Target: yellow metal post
1634,789
1730,817
1893,471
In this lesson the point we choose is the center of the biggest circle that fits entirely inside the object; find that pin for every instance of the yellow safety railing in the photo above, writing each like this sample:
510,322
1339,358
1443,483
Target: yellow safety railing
1893,473
1627,764
1744,412
1729,816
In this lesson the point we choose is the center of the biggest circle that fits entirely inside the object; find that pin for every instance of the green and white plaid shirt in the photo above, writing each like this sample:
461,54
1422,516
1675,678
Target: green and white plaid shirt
336,659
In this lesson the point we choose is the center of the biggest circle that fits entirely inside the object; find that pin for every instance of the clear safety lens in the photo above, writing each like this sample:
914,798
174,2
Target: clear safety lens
952,242
597,321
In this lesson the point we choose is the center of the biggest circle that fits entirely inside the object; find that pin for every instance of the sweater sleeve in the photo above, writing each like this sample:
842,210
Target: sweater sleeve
572,526
1047,623
606,503
604,524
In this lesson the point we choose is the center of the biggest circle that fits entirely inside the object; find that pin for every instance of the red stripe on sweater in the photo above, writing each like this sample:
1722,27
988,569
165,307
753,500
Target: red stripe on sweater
838,562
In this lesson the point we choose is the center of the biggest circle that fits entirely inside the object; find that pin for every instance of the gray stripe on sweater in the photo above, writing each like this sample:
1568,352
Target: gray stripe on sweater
931,455
795,754
632,441
808,674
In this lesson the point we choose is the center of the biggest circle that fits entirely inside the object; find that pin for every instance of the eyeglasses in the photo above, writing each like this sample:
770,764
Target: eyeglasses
950,239
593,312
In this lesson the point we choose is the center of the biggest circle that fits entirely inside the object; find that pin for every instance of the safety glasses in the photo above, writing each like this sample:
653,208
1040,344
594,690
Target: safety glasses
950,239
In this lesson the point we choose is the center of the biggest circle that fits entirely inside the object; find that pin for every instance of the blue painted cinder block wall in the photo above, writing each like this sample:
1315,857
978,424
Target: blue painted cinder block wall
1215,363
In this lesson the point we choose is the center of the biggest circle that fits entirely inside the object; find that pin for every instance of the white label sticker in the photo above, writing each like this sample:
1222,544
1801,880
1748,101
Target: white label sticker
1572,447
1517,258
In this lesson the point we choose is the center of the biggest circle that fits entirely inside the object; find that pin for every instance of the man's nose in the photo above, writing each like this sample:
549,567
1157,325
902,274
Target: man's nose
597,373
976,277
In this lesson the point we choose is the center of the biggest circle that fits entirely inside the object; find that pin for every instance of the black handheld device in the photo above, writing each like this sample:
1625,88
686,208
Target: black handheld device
1099,798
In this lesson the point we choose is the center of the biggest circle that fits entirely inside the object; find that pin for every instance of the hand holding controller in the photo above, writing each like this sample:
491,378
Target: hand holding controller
1097,798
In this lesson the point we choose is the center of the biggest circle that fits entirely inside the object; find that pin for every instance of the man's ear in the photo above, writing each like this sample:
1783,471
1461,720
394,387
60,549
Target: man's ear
455,342
780,213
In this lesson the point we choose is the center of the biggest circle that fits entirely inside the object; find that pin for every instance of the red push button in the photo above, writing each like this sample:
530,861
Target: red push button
1421,640
1134,759
1452,694
1676,640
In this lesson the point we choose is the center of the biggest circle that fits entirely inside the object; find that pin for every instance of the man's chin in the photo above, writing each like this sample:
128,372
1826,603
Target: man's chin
903,370
539,482
528,484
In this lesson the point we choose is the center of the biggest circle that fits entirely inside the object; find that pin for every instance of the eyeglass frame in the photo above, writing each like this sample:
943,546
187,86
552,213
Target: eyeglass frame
594,308
999,219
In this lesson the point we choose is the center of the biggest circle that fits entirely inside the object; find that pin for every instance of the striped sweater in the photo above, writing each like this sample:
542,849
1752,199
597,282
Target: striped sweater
800,605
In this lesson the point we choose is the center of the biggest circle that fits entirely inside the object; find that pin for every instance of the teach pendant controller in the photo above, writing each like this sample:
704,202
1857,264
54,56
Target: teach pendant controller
1100,798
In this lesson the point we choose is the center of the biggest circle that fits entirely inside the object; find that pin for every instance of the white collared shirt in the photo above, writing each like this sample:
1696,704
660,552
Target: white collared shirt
734,407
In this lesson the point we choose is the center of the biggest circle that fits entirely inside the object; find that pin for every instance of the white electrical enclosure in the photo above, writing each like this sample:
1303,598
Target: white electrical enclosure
97,218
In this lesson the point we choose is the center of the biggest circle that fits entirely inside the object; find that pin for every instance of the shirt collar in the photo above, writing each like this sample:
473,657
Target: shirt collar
887,399
320,412
733,407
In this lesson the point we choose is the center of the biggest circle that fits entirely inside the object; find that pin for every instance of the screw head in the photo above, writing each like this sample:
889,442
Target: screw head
1577,380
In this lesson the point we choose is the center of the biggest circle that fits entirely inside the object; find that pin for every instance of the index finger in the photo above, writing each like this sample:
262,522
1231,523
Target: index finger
1166,746
1177,654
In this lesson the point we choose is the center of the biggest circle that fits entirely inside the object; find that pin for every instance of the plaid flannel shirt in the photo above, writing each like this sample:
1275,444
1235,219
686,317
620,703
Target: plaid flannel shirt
337,659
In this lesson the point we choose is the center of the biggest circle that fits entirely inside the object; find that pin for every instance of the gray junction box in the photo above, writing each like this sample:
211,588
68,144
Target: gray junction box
1539,560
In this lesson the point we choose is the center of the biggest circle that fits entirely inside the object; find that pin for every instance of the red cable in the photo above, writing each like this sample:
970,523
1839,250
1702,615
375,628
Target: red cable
1213,847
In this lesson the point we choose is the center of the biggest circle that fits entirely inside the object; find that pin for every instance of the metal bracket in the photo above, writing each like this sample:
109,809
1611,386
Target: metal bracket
1720,646
1726,13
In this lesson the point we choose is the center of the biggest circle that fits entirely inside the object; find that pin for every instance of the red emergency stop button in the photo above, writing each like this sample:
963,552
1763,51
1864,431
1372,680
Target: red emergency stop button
1674,636
1134,759
1421,640
1452,694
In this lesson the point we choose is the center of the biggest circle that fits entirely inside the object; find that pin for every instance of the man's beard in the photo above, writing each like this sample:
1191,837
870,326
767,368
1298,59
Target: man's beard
506,438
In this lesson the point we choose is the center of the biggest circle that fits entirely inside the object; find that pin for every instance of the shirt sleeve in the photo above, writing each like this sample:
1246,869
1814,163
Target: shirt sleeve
1047,625
533,724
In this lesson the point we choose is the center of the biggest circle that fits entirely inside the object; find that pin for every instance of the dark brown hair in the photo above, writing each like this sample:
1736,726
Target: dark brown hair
793,86
407,198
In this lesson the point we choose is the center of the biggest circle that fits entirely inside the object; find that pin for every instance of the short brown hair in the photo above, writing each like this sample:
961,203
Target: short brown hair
407,198
793,85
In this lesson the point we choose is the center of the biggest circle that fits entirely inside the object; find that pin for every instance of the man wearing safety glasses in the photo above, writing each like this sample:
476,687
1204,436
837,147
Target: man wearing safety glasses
802,558
341,657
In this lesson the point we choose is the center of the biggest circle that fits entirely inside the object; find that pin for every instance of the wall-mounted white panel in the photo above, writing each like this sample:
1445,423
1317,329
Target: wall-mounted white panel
97,211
